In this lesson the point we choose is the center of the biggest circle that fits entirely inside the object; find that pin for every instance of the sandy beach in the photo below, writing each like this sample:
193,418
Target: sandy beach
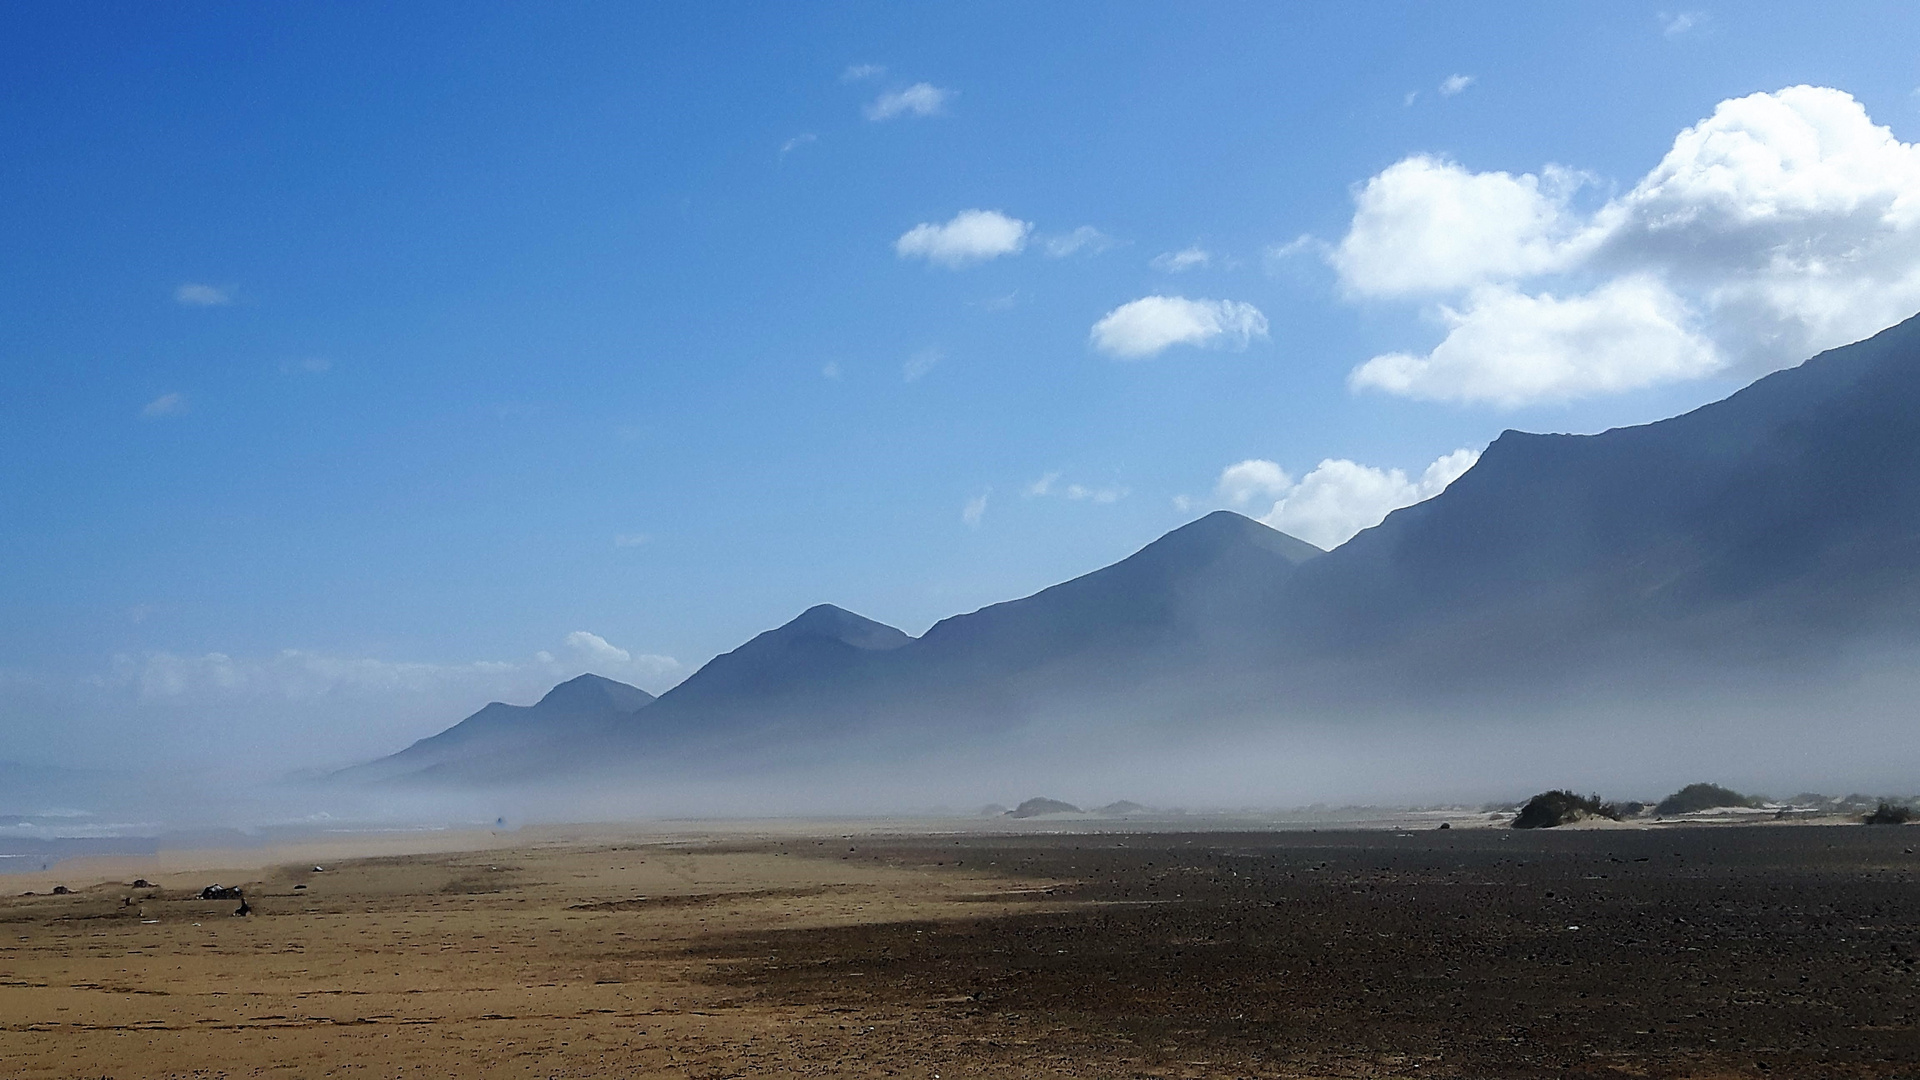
806,952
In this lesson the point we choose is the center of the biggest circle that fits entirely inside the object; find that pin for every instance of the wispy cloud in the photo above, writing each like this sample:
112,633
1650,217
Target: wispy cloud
165,405
306,365
1283,259
862,72
920,99
1152,324
194,294
1085,239
295,674
1453,84
919,364
1049,486
1174,262
830,370
975,509
631,540
1110,494
1673,24
797,141
1305,242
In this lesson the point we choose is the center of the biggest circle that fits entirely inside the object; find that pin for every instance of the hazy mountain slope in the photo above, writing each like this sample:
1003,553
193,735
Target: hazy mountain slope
829,671
1192,590
1786,515
576,710
1777,527
823,645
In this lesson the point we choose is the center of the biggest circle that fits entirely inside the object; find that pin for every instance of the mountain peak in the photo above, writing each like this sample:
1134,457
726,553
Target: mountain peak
1203,579
1221,529
826,620
500,734
594,692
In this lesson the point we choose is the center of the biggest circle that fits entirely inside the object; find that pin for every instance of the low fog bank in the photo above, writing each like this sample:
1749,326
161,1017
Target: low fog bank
1767,731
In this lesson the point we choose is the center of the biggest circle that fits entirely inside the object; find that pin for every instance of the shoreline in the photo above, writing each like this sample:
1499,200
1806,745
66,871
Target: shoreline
87,869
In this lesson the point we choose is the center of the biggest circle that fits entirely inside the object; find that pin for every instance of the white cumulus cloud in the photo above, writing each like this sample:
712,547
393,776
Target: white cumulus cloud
972,236
1338,498
594,649
1251,481
1453,84
1792,215
1426,225
1783,224
1508,348
1152,324
920,99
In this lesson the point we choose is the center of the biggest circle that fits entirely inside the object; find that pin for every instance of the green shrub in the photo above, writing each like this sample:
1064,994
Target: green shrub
1889,814
1551,808
1700,797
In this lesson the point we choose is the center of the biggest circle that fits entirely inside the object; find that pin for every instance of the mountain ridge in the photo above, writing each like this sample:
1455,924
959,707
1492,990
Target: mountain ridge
579,707
1775,525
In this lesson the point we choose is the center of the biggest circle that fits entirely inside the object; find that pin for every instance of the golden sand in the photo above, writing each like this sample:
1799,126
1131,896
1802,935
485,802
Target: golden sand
512,956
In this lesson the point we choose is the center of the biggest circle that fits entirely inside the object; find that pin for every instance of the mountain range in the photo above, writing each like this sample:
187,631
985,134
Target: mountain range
1775,530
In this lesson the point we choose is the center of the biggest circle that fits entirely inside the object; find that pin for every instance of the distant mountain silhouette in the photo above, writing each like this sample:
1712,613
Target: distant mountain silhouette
490,741
1777,526
830,672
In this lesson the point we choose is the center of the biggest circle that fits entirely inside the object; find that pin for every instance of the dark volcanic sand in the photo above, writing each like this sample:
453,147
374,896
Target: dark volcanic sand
1784,951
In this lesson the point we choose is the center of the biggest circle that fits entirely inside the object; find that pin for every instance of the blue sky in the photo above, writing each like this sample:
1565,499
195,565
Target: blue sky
358,365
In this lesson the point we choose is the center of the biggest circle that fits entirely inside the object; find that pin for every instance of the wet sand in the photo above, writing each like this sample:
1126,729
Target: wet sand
1700,952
